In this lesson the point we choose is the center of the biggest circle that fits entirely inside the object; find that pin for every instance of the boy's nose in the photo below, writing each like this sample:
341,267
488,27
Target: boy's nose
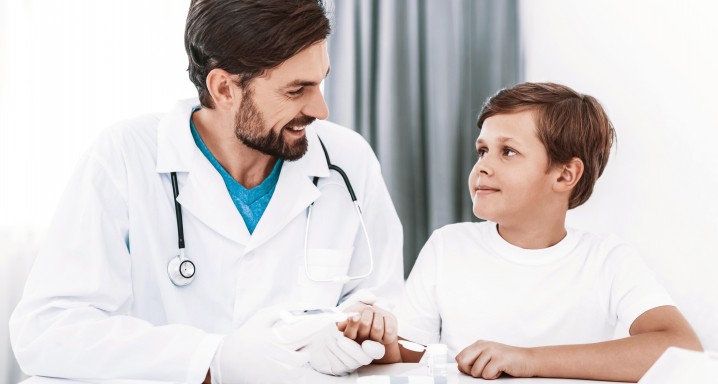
483,166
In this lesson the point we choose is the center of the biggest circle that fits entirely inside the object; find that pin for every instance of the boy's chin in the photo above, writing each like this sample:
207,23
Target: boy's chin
483,215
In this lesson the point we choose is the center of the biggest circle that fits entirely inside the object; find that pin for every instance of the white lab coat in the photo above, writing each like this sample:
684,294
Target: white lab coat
99,304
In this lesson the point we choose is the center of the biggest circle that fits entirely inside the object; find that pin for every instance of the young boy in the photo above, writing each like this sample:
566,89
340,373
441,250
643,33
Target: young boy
522,294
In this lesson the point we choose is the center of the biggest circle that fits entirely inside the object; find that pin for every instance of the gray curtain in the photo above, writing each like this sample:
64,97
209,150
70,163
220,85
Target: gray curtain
411,77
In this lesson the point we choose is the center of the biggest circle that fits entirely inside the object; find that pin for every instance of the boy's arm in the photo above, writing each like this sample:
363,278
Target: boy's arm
409,356
624,359
617,360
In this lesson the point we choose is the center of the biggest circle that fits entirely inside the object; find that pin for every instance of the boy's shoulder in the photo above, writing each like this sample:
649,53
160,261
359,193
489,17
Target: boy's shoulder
602,241
590,244
462,232
608,250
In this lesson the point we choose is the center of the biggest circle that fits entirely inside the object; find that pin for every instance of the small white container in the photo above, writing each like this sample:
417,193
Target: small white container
437,354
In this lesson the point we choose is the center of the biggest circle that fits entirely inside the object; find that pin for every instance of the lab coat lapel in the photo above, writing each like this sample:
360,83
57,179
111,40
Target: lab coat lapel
205,195
203,192
294,192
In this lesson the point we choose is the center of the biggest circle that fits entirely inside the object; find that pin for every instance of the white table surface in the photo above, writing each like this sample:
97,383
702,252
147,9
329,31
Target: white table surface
403,369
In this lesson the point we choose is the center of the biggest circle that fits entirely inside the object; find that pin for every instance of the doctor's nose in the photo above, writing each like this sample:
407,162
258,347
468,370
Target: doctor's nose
316,106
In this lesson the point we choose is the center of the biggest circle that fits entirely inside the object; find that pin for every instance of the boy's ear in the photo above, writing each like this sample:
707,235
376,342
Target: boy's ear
570,174
220,85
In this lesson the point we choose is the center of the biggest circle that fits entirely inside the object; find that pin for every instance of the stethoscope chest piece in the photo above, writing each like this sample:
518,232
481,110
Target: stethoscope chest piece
180,270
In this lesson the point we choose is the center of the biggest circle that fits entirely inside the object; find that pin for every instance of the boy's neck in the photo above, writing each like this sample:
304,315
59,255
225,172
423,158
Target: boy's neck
534,235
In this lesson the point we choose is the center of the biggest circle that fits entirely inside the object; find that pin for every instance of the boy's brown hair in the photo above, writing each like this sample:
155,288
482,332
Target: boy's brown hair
569,124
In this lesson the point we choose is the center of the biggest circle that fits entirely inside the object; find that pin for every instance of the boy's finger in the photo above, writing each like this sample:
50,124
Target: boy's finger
466,358
480,365
377,328
367,316
351,330
390,327
491,371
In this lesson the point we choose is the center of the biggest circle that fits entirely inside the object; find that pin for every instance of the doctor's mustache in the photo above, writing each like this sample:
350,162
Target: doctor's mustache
301,121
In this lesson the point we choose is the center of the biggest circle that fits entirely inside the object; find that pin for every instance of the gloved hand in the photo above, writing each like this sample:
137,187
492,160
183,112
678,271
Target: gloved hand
362,296
266,350
332,353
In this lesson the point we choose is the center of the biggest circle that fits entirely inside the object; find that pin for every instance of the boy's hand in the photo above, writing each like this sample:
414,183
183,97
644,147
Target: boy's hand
376,324
488,360
371,323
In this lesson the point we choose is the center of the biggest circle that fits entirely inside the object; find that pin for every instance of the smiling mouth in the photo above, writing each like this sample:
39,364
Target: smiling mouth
296,129
486,190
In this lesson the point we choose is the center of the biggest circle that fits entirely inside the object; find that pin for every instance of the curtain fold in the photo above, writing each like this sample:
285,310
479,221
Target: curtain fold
411,77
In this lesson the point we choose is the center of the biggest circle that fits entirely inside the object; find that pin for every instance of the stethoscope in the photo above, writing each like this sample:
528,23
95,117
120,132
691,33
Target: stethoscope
181,270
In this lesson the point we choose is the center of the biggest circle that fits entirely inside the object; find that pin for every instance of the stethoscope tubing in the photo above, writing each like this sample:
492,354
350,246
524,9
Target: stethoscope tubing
178,211
357,207
184,280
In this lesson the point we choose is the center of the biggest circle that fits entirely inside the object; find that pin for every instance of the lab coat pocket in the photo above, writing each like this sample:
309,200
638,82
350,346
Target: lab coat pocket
320,282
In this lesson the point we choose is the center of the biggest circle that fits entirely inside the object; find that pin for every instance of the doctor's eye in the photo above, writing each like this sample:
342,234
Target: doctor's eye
296,92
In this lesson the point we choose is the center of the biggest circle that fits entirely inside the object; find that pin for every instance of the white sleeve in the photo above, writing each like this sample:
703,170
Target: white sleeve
387,240
634,288
73,320
418,316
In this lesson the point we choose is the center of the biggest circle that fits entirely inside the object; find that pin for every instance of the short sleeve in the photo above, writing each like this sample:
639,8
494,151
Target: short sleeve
418,314
634,288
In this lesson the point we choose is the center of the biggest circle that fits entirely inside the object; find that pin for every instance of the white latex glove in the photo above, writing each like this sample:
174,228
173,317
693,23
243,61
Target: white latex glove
330,352
366,297
264,349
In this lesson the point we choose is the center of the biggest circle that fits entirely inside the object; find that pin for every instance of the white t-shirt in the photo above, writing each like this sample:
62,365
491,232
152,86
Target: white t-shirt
469,284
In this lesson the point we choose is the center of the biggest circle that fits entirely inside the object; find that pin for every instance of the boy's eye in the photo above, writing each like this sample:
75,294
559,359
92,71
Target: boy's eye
481,152
508,152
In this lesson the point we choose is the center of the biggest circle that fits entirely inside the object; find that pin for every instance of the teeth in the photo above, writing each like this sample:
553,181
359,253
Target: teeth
297,129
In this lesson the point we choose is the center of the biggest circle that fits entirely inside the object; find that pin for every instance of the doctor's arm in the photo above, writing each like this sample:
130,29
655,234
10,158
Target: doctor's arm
73,320
625,359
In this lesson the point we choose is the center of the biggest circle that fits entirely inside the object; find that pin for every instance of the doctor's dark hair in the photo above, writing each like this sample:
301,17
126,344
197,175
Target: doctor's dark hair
248,37
569,124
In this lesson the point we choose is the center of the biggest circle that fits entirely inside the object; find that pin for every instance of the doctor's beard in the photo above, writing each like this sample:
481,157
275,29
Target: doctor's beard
249,124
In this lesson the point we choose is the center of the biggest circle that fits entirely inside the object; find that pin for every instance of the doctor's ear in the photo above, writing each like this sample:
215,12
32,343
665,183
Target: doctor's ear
570,174
223,88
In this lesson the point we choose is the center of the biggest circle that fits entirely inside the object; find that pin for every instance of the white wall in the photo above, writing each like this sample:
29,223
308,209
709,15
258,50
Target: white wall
653,65
68,69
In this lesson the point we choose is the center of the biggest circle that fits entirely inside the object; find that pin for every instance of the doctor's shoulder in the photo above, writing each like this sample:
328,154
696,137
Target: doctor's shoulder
126,139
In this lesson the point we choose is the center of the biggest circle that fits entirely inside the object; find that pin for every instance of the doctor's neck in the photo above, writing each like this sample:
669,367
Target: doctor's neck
246,165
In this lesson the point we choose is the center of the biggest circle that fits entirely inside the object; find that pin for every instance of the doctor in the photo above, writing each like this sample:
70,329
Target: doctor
112,296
